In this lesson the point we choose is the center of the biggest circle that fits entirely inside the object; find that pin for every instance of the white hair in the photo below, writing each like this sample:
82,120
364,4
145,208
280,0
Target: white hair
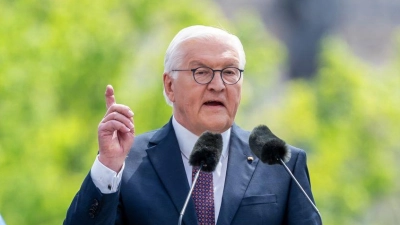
174,55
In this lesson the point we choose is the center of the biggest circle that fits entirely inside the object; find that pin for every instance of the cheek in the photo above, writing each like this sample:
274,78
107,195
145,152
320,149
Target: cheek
189,99
235,97
193,95
192,102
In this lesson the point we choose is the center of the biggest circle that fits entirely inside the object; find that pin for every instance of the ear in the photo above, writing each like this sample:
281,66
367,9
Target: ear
168,87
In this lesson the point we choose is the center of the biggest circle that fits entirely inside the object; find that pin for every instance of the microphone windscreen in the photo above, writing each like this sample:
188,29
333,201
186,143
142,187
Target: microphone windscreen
207,151
268,147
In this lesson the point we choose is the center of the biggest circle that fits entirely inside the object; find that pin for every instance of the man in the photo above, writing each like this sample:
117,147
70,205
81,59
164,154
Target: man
145,179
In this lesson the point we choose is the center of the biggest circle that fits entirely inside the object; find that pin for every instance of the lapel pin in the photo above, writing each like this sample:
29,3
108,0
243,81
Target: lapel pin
250,158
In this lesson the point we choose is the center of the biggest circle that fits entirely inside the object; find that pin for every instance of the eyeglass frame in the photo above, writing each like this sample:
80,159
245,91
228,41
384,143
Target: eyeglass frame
194,70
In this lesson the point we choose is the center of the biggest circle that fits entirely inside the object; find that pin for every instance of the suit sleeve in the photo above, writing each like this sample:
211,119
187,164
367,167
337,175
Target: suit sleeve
90,206
299,209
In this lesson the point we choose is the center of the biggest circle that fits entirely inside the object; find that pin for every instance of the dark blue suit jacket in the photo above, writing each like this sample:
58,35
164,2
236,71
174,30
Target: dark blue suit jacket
154,188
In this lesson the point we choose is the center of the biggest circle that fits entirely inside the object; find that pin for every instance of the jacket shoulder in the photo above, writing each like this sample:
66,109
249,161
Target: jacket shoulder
142,140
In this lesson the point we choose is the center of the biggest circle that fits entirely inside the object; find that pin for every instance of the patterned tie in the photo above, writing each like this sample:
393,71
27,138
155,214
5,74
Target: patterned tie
203,197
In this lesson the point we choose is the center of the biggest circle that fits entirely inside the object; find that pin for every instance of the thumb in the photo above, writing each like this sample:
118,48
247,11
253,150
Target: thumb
110,98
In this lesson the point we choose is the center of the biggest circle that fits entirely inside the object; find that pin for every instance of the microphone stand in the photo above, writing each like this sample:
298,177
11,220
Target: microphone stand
189,195
298,184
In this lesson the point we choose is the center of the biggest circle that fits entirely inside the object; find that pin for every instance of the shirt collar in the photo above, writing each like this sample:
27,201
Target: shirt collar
187,139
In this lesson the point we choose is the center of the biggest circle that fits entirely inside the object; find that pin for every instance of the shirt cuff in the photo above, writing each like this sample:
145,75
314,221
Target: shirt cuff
105,179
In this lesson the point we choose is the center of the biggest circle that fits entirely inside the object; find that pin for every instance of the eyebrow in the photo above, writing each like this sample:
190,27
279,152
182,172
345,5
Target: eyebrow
198,63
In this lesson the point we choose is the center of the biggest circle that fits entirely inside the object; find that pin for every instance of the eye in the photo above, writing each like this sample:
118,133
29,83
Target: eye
230,71
202,71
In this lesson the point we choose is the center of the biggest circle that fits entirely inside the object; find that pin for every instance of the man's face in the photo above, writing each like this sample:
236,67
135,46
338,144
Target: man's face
205,107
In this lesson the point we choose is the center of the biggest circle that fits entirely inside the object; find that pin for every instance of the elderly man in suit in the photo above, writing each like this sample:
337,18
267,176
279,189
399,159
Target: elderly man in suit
145,179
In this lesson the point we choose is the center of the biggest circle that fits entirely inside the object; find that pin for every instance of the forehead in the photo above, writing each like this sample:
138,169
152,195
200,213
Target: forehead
209,52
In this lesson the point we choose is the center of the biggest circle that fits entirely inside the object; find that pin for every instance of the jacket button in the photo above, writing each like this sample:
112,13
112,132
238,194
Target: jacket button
93,208
95,202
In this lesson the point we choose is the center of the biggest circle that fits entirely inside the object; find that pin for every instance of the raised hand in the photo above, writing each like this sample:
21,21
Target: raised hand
116,133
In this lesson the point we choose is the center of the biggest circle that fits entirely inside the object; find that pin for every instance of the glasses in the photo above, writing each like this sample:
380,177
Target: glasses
204,75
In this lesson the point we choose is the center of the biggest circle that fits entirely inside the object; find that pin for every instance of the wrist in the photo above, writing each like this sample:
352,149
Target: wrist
113,163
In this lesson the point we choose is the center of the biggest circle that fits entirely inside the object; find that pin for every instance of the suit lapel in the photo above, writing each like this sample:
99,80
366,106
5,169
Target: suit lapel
165,156
238,175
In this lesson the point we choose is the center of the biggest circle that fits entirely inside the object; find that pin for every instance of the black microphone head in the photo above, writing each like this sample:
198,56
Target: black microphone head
268,147
207,151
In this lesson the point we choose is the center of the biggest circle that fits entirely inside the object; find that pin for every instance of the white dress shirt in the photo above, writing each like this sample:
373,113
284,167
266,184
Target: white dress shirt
105,179
108,180
186,141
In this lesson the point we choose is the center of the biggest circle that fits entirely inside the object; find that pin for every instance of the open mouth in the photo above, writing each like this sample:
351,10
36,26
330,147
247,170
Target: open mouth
213,103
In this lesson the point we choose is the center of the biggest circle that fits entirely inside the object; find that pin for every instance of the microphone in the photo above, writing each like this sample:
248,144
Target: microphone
272,150
268,147
205,154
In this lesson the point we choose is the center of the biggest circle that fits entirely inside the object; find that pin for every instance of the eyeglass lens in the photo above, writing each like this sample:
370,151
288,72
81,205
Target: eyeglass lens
204,75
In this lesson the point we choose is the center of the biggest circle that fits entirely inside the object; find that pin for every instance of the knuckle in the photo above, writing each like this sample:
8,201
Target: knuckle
111,108
114,115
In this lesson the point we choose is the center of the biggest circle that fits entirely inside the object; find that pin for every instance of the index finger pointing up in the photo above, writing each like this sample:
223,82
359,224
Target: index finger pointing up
110,98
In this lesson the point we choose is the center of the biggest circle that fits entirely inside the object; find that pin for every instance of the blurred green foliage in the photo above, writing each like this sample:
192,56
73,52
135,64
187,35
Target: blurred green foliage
56,58
348,120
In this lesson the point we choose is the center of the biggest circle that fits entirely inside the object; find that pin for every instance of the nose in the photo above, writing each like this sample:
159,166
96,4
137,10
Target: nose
216,84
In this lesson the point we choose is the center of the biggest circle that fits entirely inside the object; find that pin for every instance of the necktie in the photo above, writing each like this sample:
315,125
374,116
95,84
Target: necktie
203,197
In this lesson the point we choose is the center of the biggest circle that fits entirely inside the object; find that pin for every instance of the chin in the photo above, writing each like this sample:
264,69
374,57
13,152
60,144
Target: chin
218,126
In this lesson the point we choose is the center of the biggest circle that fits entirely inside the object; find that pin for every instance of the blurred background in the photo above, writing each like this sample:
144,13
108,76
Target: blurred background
323,75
